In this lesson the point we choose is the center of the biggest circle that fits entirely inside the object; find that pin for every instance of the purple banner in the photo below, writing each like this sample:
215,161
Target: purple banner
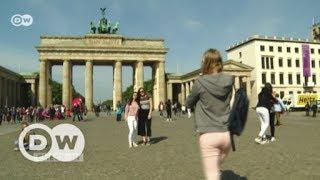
306,60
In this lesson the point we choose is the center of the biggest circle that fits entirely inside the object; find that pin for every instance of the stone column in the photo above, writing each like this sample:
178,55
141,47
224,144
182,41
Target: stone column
33,94
187,89
248,86
237,82
183,94
66,84
14,93
169,91
49,84
5,92
71,84
10,93
43,84
191,84
117,83
133,76
139,75
89,85
18,85
155,98
1,91
161,82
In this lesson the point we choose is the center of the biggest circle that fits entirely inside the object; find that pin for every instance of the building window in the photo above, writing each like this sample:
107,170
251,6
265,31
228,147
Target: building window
267,62
314,78
271,62
313,63
319,63
290,78
318,51
281,94
296,50
280,49
290,92
264,78
281,78
298,79
312,51
261,48
271,48
288,50
299,92
240,54
273,81
289,63
281,62
297,63
263,66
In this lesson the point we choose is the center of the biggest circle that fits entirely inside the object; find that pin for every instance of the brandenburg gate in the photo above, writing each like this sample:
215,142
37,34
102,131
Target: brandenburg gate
100,50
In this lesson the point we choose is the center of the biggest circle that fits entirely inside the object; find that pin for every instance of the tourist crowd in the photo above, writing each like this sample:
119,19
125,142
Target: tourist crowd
36,114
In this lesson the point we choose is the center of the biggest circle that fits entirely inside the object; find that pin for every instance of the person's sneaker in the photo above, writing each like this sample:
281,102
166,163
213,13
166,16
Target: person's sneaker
265,141
134,144
273,139
148,144
168,120
130,145
258,140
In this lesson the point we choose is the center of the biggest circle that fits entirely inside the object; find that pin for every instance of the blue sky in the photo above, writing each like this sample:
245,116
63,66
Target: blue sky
189,27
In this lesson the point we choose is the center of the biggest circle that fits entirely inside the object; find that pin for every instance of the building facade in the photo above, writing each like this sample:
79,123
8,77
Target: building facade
15,89
291,65
179,86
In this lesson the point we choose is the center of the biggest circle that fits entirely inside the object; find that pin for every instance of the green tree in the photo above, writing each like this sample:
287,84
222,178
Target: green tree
57,93
107,102
127,94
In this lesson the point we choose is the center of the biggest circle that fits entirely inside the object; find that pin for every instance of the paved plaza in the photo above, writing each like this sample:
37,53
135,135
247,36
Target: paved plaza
174,154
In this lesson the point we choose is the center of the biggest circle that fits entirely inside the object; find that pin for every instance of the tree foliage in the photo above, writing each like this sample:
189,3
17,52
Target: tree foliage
57,92
127,94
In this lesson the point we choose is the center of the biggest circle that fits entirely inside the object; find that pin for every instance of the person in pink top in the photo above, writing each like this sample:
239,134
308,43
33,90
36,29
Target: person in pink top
131,114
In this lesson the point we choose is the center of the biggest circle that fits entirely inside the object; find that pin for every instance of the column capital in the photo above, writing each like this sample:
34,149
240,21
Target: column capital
66,59
139,61
43,60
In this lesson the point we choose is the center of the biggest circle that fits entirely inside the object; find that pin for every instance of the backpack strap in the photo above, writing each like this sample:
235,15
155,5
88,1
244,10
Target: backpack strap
232,142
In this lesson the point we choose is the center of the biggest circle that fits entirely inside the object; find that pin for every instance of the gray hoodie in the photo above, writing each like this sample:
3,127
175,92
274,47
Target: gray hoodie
211,94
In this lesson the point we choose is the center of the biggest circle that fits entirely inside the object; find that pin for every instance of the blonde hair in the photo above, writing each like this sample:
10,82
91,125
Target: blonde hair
211,62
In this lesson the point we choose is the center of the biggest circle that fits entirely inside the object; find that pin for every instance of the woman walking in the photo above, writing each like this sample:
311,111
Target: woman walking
131,115
263,109
144,116
211,94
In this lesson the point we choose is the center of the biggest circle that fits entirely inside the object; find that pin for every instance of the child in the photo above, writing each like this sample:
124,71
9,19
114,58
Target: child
119,112
24,124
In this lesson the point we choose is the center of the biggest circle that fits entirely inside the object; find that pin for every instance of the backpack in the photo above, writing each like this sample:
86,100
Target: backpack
238,115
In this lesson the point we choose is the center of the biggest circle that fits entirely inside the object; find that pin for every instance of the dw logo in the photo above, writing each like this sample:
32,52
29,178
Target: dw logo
24,20
67,142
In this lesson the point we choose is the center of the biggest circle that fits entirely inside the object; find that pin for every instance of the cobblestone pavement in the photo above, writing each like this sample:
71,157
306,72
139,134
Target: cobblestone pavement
174,154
